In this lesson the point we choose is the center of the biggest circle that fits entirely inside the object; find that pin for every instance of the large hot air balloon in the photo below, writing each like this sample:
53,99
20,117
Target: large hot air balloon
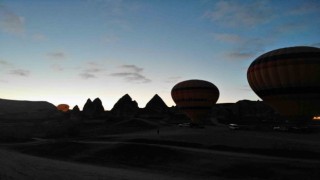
63,107
288,79
195,98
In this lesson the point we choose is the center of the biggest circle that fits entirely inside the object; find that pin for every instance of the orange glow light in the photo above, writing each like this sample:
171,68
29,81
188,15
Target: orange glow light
316,118
63,107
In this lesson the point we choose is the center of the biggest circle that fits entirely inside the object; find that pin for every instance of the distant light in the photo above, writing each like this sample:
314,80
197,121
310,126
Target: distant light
63,107
316,118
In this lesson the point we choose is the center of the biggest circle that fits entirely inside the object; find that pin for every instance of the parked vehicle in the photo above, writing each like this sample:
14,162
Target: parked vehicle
234,126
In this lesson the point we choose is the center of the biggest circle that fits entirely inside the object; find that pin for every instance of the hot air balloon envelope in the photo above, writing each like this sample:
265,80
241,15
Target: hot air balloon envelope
288,79
195,98
63,107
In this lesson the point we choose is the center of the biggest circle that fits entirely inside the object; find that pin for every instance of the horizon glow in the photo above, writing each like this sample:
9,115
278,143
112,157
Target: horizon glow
65,52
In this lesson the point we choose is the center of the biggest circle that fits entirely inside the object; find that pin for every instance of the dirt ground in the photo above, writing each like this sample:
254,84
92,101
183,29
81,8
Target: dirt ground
174,153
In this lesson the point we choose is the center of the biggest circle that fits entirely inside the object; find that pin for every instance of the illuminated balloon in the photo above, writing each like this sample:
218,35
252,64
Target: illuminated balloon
63,107
195,98
288,79
316,118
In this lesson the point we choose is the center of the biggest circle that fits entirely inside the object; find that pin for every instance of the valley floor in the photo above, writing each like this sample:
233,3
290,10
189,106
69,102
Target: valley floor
213,152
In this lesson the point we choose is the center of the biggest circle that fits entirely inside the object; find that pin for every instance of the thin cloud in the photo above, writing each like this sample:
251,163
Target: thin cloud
290,27
249,16
236,13
4,63
57,59
228,37
91,70
242,47
93,67
20,72
244,53
87,75
10,22
132,77
240,55
249,48
132,68
241,41
306,7
59,55
94,70
131,73
57,67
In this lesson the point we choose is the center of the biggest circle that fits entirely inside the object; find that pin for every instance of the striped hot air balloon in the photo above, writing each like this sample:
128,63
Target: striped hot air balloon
195,98
288,79
63,107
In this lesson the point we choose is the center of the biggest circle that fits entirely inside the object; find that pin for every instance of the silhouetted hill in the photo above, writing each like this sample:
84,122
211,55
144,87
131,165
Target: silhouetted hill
75,113
156,105
23,120
98,107
93,109
88,108
243,111
14,109
249,108
125,106
76,109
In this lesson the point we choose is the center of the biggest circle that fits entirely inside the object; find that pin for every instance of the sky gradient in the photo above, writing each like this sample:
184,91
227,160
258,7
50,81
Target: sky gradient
67,51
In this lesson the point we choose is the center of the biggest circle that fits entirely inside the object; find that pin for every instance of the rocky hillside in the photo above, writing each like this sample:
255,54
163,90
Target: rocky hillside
14,109
93,109
125,106
156,105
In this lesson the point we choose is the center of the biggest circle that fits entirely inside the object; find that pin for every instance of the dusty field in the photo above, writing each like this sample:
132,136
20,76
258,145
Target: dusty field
174,153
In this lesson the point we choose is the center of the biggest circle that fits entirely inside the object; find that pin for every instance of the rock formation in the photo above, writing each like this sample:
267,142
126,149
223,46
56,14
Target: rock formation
88,109
250,111
14,109
93,109
243,111
125,107
75,113
98,107
156,105
76,109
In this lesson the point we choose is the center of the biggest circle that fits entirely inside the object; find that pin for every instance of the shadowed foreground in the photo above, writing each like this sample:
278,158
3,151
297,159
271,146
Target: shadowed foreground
177,153
19,166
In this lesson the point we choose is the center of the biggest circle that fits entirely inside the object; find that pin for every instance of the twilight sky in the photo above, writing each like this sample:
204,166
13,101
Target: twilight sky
65,51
